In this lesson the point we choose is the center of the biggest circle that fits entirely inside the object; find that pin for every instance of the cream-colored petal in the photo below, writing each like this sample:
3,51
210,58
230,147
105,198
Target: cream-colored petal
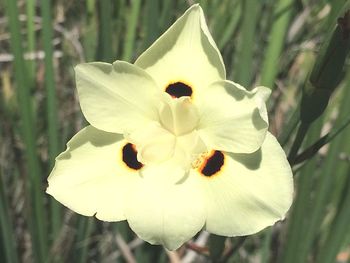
154,143
186,53
233,119
262,95
173,137
178,116
163,212
90,177
192,146
250,192
116,97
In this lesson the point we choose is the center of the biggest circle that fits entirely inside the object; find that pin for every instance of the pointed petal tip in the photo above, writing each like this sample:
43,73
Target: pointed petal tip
194,10
194,6
197,10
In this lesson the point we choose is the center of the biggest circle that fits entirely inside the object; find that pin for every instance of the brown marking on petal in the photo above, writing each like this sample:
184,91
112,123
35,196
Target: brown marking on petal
212,164
179,89
129,154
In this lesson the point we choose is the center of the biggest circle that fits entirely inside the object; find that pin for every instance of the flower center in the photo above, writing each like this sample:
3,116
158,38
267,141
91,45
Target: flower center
173,137
178,116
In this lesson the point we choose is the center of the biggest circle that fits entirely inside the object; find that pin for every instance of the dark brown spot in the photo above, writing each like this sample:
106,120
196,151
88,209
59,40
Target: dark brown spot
213,163
178,89
130,157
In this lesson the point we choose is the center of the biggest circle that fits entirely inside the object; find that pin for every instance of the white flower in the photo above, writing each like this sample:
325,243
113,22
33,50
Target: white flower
173,146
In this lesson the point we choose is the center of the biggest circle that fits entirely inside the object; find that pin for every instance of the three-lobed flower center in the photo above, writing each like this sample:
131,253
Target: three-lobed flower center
179,116
173,137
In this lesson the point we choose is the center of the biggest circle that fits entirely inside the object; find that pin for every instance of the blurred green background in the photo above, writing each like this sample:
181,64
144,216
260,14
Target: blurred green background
298,48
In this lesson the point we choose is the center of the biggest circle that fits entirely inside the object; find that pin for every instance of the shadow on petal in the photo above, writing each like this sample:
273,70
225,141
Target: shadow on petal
183,178
234,91
211,54
90,135
267,207
160,47
258,121
251,161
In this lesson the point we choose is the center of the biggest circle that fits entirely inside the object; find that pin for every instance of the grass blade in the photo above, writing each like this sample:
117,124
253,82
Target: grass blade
6,227
85,228
165,17
301,133
39,233
105,52
245,51
150,24
301,203
313,149
339,230
131,30
281,18
290,126
230,27
30,9
322,193
52,120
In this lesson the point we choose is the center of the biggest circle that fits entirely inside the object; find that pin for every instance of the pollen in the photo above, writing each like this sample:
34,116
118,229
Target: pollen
199,160
211,163
179,89
129,154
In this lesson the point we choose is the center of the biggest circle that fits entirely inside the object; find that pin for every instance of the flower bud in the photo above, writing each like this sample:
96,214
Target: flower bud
327,72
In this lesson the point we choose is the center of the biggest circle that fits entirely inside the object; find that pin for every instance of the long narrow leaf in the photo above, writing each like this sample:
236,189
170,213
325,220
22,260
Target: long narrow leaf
52,120
39,233
281,18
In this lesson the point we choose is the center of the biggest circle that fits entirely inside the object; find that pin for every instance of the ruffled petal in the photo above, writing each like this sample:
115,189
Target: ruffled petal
185,53
116,97
250,191
233,119
165,212
90,177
